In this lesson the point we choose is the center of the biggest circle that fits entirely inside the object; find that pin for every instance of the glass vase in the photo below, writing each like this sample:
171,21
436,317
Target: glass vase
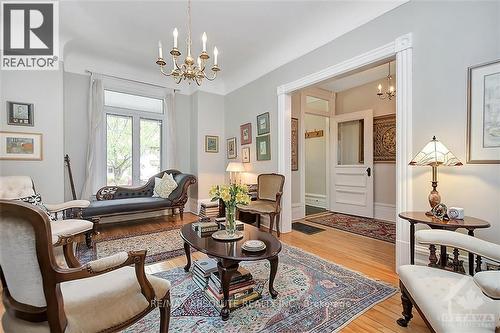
230,220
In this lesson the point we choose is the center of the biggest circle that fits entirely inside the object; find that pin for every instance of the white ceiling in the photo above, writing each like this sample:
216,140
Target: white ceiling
253,37
358,79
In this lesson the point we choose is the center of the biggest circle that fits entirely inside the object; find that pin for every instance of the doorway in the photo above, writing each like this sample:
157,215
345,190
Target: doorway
401,49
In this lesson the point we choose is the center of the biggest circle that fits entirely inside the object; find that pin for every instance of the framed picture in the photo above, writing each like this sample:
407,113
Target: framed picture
20,114
20,146
231,148
245,154
384,139
483,113
263,126
211,144
246,134
263,147
295,144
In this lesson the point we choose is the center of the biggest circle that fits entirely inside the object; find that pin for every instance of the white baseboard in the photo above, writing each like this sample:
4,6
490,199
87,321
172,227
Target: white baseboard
385,212
298,211
316,200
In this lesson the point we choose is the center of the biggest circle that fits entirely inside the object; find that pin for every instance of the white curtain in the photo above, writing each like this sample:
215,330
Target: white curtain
93,172
171,158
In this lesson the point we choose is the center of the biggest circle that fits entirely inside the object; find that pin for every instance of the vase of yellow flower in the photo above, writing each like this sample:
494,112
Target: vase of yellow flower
232,195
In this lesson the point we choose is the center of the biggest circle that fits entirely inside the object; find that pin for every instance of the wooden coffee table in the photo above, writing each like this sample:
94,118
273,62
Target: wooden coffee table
229,254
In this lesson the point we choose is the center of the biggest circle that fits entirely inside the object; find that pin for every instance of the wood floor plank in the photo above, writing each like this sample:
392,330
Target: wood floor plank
370,257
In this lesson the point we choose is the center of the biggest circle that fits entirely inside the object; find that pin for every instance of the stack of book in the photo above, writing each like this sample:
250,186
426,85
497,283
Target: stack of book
205,228
241,289
209,209
201,271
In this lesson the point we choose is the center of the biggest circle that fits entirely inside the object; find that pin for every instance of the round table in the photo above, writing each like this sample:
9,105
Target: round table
469,223
229,254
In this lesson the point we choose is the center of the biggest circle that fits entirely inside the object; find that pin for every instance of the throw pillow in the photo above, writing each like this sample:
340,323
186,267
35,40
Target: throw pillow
36,200
165,187
157,182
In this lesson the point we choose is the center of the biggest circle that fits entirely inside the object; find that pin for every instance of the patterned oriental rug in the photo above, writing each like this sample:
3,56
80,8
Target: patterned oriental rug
314,296
372,228
161,245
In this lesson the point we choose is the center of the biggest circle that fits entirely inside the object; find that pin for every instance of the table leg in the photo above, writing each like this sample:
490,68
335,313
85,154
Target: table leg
187,250
226,269
274,268
412,243
471,255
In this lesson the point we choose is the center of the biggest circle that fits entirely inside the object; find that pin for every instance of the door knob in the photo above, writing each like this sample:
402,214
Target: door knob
369,171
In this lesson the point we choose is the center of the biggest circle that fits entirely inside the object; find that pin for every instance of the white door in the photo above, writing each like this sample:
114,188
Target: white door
352,163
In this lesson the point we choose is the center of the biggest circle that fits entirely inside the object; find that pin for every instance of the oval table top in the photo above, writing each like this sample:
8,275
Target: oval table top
232,249
467,223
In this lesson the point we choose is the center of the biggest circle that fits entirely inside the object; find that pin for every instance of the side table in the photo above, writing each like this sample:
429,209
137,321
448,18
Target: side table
469,223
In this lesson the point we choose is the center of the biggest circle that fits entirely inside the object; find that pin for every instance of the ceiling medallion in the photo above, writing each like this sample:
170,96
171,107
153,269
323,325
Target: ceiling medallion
390,92
188,70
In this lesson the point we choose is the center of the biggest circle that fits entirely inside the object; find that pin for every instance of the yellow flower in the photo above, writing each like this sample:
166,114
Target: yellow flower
225,195
213,191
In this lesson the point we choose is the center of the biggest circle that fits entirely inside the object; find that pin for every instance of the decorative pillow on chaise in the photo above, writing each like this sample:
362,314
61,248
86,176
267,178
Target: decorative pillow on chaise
164,186
36,200
489,282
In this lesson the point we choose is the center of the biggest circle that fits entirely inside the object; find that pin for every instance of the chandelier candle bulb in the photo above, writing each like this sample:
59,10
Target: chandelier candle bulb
199,63
204,39
216,53
176,34
379,88
160,50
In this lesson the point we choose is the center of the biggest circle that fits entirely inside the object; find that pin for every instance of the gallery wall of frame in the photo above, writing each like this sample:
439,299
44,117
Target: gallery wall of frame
25,146
262,141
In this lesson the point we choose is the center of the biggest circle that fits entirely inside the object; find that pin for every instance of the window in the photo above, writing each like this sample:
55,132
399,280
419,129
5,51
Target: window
134,131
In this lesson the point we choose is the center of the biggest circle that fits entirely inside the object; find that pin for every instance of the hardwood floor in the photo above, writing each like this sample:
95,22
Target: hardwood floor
370,257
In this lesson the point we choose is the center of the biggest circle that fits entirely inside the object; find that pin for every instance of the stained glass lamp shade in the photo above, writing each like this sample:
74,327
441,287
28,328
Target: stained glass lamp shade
435,154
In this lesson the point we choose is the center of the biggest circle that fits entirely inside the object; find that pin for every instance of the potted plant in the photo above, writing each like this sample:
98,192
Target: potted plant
232,195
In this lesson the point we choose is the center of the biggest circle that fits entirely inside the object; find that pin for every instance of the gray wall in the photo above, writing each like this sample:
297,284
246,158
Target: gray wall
44,90
447,38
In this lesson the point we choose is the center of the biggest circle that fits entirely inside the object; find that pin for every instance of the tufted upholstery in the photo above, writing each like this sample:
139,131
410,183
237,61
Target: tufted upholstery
15,187
447,298
269,185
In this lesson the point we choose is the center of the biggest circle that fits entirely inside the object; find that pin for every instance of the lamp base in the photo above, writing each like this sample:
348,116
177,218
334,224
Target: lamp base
434,200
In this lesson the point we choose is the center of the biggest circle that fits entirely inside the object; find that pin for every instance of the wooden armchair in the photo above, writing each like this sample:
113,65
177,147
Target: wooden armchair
450,302
269,192
105,295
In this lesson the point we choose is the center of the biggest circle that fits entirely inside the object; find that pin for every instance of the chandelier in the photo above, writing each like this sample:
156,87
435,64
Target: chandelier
188,70
390,92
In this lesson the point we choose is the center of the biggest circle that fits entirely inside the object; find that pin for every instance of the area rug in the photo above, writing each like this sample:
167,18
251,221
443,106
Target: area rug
306,228
314,296
372,228
161,245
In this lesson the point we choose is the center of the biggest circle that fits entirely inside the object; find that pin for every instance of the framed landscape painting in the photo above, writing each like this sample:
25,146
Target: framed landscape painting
211,144
231,148
263,148
246,134
483,113
20,146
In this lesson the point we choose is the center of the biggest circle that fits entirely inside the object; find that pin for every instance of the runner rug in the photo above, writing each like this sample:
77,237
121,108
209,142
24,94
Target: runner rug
314,296
372,228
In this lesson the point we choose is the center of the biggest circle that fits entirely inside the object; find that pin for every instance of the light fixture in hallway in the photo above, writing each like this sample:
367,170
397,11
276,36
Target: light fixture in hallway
391,91
188,70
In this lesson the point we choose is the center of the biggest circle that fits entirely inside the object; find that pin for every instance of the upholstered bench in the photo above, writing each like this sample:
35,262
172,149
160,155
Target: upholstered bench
117,200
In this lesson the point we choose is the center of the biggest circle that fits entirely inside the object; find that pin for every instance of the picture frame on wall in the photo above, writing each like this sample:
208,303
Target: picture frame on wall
246,134
211,144
231,148
20,114
245,154
384,139
21,146
263,125
483,113
263,146
295,144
